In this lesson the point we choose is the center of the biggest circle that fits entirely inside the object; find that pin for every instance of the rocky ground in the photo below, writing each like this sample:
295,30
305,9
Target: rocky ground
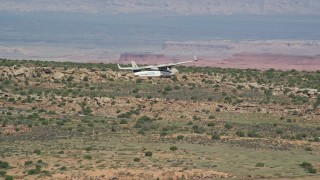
74,120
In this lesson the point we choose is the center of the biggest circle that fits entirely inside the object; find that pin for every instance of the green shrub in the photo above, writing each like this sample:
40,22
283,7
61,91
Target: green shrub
123,121
88,156
37,151
139,80
228,126
28,163
240,133
34,171
163,133
136,159
7,177
11,100
148,154
180,137
173,148
279,131
4,165
308,167
215,136
168,88
308,149
90,148
61,152
85,78
211,124
2,173
260,164
252,133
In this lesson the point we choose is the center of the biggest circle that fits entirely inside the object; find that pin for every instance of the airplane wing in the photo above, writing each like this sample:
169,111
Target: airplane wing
136,68
126,68
175,64
156,66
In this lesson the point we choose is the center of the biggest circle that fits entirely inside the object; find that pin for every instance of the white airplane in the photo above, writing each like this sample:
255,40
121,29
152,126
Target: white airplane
162,70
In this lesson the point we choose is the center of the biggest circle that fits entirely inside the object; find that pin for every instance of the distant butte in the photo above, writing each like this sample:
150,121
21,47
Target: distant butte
262,61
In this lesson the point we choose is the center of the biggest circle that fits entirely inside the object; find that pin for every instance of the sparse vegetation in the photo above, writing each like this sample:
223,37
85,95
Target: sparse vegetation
148,154
104,120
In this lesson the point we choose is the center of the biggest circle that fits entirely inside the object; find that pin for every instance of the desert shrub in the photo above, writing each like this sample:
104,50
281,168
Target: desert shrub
63,168
215,136
308,149
86,111
308,167
70,78
253,133
180,137
260,164
2,173
198,130
211,124
61,152
90,148
37,170
185,77
173,148
228,126
123,121
196,118
4,165
85,78
11,99
164,133
8,177
88,157
279,131
138,96
60,123
139,80
136,90
148,153
144,122
28,163
136,159
240,133
301,136
124,115
168,88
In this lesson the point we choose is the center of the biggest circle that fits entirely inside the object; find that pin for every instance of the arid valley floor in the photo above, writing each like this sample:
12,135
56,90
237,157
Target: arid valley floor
64,120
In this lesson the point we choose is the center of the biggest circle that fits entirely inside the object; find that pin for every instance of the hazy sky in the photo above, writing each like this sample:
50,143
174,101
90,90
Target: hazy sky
181,7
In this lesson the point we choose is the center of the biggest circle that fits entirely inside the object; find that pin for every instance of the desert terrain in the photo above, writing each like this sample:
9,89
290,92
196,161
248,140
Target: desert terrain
64,120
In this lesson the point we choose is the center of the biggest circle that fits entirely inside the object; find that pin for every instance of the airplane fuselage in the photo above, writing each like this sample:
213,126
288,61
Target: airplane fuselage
154,73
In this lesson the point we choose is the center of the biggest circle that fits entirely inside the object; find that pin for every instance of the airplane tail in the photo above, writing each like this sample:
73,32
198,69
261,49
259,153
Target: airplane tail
134,64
